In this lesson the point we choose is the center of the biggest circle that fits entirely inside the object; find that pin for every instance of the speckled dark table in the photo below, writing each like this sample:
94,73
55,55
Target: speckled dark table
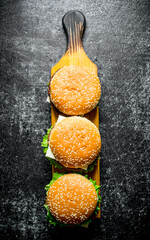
32,41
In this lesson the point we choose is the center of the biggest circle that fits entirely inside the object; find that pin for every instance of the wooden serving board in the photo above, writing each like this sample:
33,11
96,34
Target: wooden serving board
74,25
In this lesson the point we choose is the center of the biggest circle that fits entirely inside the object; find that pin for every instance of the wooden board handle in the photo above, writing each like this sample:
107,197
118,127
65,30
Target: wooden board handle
74,25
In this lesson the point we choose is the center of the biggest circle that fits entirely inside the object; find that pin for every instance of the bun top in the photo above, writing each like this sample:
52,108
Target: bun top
75,142
74,90
72,199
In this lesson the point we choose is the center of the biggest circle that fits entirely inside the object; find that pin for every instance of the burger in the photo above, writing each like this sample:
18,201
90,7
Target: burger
73,143
71,200
74,90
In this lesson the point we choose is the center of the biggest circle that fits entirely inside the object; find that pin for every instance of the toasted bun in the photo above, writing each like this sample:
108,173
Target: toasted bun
72,199
74,90
75,142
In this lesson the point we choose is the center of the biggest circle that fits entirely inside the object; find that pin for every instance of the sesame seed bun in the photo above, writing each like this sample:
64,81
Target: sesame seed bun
74,90
75,142
72,199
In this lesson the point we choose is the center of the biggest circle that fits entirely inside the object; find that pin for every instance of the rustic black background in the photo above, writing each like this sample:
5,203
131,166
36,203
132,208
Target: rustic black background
32,40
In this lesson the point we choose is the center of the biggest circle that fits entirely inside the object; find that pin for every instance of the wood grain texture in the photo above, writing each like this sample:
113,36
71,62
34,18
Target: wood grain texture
75,55
116,40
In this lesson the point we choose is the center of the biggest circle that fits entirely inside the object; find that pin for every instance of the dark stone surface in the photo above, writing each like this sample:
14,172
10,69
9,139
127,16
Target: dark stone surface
32,41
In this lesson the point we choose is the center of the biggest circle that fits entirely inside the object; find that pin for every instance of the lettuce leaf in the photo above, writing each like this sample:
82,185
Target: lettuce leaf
44,144
97,187
52,219
56,175
90,167
55,163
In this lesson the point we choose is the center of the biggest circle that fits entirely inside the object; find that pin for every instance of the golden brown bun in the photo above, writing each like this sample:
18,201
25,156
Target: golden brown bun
75,142
74,90
72,199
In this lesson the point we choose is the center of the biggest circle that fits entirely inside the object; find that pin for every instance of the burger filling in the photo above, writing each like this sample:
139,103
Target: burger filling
48,152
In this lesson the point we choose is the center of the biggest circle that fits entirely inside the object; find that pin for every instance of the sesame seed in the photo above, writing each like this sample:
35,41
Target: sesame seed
68,207
75,142
74,90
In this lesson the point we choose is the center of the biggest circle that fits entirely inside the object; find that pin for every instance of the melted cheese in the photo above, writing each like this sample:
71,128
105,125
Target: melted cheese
49,151
47,99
